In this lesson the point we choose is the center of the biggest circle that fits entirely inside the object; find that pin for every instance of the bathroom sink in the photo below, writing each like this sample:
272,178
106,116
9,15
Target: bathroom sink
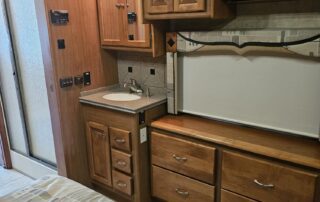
121,97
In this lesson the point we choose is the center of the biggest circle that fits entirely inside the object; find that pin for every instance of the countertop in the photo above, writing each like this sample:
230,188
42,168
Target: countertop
299,150
94,97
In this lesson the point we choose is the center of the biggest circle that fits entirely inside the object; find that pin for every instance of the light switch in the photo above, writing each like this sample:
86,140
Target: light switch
143,135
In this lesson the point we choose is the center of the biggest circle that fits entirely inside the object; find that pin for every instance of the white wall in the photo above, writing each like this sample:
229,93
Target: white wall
280,93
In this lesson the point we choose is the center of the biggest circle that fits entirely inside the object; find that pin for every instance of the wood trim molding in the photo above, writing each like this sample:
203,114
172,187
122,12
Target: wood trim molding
53,96
171,42
4,142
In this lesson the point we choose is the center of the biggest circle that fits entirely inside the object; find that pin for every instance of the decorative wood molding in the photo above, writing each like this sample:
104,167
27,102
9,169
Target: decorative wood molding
171,42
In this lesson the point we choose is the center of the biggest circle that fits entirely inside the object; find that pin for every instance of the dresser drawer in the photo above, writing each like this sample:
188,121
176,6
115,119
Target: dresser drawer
266,181
122,182
227,196
170,186
185,157
120,139
121,161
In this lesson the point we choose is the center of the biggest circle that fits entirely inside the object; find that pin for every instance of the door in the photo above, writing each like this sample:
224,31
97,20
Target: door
187,6
99,152
111,21
137,33
159,6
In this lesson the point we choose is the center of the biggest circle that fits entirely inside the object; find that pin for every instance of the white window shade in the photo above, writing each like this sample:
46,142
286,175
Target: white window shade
281,93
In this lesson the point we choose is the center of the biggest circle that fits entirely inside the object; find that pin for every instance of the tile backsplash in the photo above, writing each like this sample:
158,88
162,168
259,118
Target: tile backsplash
148,71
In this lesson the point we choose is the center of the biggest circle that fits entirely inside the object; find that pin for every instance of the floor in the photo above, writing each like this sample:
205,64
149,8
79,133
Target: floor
11,180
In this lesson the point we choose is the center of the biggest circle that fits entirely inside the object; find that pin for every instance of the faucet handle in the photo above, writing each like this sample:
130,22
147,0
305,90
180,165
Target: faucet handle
148,92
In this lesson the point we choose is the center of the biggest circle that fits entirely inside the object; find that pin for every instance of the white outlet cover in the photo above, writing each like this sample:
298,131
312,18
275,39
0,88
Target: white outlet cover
143,135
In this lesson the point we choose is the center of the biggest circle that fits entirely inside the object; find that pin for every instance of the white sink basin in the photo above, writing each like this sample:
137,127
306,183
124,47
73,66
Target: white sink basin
121,97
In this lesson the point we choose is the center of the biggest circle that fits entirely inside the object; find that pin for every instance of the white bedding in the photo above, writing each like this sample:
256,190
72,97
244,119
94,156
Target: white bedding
54,188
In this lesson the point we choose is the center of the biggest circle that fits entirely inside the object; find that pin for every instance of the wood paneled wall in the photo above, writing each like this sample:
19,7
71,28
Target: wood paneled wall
82,53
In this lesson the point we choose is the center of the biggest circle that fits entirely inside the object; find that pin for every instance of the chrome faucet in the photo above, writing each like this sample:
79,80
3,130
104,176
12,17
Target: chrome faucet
133,86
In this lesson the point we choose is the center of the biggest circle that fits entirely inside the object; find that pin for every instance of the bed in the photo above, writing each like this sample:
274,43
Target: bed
54,189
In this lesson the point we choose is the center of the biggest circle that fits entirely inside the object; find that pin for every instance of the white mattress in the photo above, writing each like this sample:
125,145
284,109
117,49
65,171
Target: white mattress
54,188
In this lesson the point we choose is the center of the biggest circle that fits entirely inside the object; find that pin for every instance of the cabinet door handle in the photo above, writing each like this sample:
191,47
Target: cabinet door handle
179,158
182,192
263,185
121,163
118,5
121,184
120,140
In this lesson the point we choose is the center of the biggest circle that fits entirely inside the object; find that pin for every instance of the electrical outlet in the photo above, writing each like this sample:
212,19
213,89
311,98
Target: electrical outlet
143,135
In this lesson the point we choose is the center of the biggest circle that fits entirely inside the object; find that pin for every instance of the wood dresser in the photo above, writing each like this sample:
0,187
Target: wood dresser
196,159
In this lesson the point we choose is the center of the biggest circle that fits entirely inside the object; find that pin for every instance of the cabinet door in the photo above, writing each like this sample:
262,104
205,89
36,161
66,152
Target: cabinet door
111,21
189,5
99,152
137,33
159,6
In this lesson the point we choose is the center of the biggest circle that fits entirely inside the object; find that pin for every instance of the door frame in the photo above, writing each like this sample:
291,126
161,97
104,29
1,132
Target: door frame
4,141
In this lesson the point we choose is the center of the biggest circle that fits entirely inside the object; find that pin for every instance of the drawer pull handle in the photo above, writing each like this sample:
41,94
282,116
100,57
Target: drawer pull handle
263,185
121,184
118,5
179,158
99,134
121,163
120,140
182,192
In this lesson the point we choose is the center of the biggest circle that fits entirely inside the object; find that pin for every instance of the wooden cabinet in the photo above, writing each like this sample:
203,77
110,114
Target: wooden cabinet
231,163
120,139
122,27
186,6
187,158
266,181
99,152
181,170
118,160
170,186
122,182
186,9
122,161
111,15
159,6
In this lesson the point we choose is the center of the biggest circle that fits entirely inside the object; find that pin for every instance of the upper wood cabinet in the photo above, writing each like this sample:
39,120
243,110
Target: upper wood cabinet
159,6
122,27
186,9
189,5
